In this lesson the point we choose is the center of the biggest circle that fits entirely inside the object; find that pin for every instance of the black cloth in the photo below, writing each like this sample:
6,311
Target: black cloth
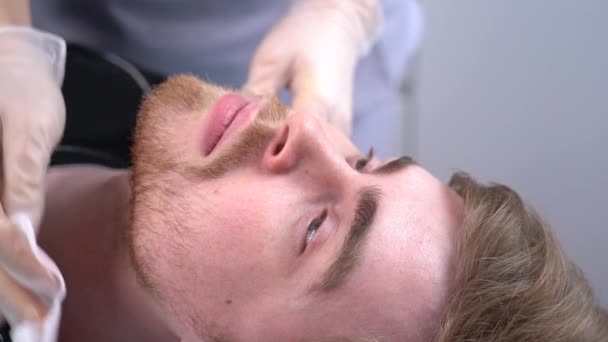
102,96
4,333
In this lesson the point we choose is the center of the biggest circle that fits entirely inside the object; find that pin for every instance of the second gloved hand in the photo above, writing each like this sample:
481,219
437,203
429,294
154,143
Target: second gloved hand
32,116
313,51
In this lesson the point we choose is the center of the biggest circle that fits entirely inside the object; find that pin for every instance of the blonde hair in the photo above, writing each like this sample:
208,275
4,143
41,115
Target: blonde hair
513,280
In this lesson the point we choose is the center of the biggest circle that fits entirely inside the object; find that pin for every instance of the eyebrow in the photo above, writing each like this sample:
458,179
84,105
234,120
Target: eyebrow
395,165
367,204
365,212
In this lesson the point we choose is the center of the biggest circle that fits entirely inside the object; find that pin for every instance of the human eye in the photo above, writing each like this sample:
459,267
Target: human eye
361,163
313,227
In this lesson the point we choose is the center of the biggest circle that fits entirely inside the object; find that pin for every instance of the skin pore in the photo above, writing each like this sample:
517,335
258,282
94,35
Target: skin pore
284,232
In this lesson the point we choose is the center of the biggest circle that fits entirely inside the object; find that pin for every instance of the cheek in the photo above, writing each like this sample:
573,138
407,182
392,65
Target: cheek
229,222
229,234
217,256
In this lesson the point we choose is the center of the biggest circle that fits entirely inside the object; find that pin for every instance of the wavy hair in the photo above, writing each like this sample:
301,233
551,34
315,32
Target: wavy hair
514,282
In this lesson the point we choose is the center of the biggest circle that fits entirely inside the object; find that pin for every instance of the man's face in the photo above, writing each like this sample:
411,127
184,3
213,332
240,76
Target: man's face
279,232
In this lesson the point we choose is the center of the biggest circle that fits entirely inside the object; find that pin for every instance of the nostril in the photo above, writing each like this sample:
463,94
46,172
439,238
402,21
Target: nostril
280,155
278,149
281,142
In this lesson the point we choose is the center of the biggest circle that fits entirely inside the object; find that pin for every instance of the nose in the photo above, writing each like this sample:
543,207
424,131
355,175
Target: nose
302,143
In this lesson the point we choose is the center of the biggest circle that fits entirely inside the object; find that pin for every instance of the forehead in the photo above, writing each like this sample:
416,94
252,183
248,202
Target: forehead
406,265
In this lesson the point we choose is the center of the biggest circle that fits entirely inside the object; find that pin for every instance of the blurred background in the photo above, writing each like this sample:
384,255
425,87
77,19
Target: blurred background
517,92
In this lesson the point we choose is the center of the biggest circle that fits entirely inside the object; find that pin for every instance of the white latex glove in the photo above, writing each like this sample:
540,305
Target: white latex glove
32,114
313,51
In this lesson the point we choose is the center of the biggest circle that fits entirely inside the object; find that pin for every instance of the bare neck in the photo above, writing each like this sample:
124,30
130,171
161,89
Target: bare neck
83,230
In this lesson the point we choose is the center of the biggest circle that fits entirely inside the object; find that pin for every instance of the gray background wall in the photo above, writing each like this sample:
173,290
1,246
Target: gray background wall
517,92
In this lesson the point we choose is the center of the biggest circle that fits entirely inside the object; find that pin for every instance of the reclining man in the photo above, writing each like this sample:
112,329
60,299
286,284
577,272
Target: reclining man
241,221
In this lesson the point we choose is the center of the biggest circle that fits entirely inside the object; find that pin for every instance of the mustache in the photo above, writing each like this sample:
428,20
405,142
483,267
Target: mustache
247,145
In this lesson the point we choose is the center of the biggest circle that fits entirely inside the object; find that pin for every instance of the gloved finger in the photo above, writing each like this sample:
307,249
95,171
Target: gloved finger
25,157
315,105
337,118
342,121
18,259
304,89
321,98
17,304
268,73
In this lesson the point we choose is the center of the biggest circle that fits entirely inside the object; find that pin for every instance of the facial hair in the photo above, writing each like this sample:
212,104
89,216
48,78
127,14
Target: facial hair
180,102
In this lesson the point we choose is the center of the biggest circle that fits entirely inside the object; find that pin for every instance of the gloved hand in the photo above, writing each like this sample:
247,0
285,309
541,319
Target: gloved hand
32,115
313,50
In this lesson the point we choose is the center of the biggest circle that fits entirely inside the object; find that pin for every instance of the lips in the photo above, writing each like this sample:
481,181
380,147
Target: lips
221,115
229,111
